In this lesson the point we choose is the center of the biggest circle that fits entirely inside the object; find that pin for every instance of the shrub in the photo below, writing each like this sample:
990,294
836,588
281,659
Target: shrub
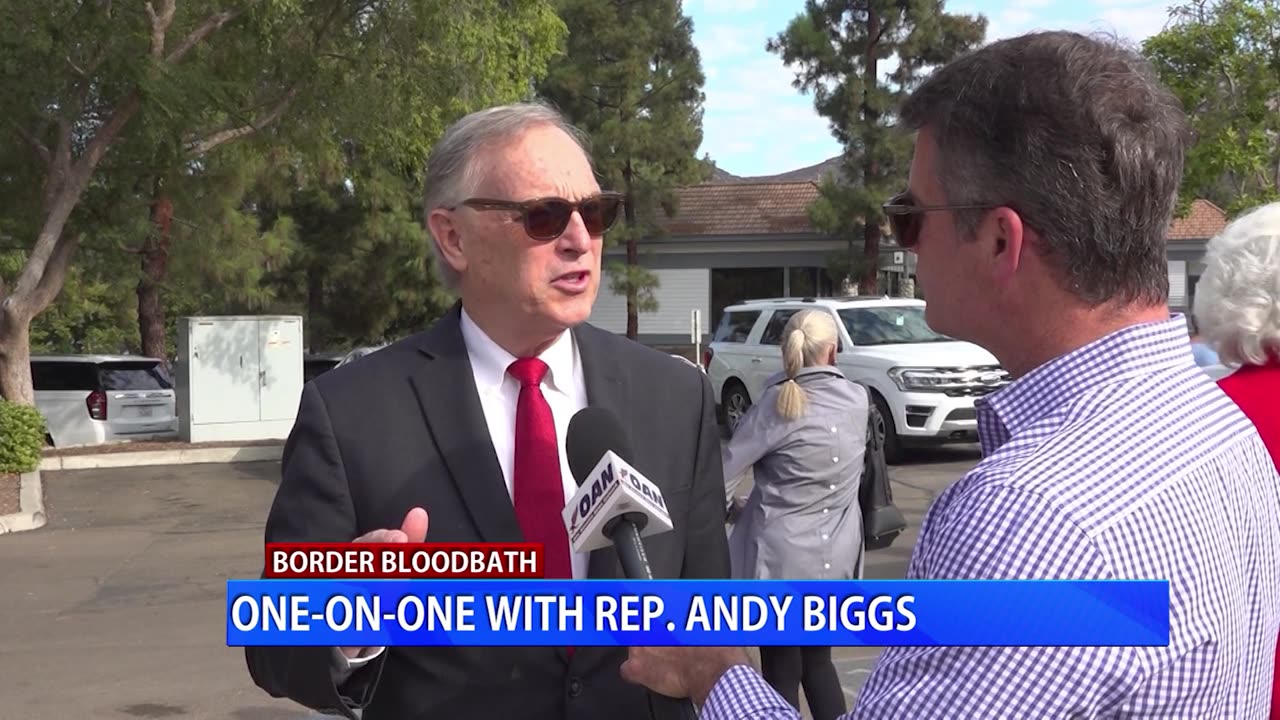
22,430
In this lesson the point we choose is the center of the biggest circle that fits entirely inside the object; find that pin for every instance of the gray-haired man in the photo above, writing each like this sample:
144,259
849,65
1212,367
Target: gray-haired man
457,434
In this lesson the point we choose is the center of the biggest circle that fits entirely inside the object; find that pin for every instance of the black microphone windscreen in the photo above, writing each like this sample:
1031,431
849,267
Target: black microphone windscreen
593,431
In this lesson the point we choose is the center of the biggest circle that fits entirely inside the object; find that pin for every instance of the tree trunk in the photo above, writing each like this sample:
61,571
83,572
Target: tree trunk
633,256
15,358
870,169
155,266
1277,168
315,307
38,285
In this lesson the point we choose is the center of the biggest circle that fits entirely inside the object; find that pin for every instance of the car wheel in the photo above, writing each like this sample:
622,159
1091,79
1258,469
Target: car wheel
736,403
886,431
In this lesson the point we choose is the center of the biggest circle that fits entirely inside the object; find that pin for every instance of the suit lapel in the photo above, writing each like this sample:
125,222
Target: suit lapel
446,390
608,388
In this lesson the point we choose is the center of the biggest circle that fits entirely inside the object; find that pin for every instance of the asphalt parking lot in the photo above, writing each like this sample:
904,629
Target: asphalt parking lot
115,609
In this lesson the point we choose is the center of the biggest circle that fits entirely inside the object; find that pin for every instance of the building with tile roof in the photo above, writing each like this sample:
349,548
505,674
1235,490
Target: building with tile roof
732,240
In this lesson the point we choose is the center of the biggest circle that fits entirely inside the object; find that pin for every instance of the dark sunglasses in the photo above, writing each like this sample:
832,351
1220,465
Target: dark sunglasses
546,218
905,215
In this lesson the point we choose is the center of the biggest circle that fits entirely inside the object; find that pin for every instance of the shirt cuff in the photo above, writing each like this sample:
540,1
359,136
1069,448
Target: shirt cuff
742,693
343,666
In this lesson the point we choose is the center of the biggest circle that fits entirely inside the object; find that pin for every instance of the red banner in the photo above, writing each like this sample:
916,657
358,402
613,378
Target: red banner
403,560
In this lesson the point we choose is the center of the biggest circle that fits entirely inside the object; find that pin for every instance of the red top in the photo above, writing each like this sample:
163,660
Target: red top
1256,389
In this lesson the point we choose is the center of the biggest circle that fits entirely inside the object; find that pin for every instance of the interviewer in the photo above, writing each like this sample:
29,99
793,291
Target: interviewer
1044,177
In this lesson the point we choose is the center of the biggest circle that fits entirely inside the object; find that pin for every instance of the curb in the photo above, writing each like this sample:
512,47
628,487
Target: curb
31,503
191,456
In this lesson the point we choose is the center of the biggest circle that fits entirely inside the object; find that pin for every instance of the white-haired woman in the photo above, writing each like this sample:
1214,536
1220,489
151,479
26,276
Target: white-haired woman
1237,309
805,440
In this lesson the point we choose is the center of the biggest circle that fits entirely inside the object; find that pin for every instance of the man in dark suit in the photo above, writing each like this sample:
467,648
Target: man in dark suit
457,434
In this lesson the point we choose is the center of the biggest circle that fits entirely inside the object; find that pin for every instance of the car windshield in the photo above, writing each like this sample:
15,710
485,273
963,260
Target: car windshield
889,325
133,376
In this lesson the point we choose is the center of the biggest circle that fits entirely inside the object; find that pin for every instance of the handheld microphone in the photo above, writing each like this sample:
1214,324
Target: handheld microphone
615,505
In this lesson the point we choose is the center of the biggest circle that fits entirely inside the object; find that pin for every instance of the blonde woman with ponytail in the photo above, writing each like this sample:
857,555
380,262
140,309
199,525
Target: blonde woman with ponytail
816,333
804,440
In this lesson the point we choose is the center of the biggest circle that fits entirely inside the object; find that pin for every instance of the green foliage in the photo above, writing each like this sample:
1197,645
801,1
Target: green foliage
22,431
638,280
285,103
1221,59
90,316
842,265
632,78
362,273
836,48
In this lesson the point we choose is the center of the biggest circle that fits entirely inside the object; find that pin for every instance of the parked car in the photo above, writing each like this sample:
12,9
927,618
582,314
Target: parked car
923,383
316,364
689,362
94,399
358,353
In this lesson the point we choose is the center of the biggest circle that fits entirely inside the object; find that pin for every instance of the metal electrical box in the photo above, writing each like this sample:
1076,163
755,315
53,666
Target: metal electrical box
238,377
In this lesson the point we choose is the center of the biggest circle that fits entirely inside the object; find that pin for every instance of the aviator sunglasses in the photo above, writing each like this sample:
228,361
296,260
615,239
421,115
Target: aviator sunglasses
904,216
546,218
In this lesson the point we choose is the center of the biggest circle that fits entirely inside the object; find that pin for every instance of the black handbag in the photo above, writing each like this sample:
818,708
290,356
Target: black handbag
882,521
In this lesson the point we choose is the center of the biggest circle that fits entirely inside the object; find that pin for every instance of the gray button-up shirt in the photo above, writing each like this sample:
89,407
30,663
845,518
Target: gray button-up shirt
802,519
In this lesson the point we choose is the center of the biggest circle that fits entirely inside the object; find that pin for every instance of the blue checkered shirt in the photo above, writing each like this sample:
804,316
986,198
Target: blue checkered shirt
1119,460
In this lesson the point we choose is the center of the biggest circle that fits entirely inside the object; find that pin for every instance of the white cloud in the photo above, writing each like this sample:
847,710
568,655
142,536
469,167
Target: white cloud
720,43
756,123
1134,20
1137,22
728,6
1127,3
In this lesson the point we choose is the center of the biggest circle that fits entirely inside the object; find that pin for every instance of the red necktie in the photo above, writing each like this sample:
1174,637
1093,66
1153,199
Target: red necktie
539,487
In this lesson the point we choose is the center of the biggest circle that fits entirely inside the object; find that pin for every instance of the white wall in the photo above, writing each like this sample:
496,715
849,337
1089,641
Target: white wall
1177,283
678,293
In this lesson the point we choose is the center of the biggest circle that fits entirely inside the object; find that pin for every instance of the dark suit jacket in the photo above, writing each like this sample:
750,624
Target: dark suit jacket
403,427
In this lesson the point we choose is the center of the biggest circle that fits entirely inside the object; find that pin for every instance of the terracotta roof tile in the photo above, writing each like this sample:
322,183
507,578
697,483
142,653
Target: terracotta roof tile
743,209
1204,221
781,208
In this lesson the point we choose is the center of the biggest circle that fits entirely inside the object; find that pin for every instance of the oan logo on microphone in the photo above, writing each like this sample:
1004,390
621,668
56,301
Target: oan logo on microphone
612,489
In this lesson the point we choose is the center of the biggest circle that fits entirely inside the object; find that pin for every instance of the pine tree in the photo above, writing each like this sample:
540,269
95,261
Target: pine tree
632,79
839,49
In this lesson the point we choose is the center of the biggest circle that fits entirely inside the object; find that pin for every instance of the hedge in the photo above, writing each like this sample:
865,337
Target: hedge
22,431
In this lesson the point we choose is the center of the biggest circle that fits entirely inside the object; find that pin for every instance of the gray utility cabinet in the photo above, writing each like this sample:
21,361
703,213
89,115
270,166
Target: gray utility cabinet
238,377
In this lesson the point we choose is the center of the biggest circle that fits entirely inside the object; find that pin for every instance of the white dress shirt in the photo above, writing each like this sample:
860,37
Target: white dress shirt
565,390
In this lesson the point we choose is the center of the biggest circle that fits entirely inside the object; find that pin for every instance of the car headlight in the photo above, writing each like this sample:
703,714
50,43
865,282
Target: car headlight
923,379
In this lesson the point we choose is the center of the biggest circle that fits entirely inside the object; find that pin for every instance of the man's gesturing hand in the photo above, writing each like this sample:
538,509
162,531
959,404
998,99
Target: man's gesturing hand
412,530
681,672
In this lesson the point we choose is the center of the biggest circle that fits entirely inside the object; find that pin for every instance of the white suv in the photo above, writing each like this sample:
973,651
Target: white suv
96,399
922,382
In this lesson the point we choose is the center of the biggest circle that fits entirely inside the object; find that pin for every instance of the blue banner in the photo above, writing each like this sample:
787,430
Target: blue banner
875,613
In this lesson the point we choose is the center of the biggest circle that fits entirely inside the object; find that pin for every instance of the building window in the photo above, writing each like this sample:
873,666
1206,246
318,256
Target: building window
808,282
730,286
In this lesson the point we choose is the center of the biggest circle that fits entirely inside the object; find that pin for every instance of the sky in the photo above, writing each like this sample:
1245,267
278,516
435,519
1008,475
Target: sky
756,123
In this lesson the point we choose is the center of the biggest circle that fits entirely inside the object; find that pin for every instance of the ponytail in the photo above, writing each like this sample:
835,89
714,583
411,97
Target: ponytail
791,399
808,335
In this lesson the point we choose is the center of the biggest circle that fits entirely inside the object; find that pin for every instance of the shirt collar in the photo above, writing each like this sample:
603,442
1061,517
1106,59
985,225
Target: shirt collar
1129,352
489,361
804,374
